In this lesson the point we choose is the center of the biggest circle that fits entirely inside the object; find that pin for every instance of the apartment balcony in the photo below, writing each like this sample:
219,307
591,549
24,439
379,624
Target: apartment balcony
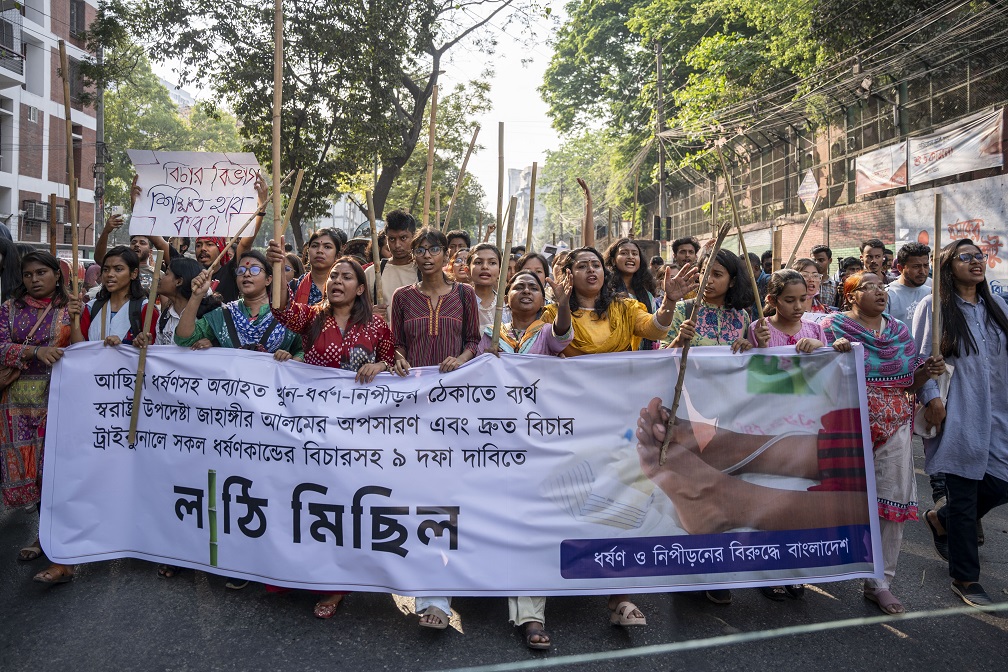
11,55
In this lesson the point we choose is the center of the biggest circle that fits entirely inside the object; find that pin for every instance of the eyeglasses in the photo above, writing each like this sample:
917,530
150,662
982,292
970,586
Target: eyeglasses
427,251
251,270
813,276
972,256
870,287
458,261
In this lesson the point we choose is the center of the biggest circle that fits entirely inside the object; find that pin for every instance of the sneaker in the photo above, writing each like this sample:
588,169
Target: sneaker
940,540
973,594
719,596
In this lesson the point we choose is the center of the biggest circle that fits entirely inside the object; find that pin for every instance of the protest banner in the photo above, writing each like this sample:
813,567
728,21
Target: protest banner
193,194
514,475
881,169
973,143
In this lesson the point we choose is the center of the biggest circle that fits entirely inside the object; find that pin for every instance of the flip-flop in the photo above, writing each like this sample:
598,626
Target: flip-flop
886,601
531,632
56,576
437,613
623,615
327,610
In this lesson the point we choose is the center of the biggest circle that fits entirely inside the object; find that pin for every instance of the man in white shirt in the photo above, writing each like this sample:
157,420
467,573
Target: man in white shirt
913,284
400,270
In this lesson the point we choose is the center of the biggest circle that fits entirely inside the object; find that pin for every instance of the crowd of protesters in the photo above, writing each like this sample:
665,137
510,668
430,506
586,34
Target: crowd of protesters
437,309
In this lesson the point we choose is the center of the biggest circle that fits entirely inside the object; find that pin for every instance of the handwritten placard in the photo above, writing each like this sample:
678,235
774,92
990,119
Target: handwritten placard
193,193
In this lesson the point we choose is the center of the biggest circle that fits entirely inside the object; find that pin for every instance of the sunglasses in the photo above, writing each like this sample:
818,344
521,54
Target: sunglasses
972,256
251,270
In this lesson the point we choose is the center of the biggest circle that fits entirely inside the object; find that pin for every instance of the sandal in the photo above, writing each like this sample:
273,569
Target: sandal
29,553
55,574
796,591
940,540
327,609
168,571
624,615
535,629
775,593
886,601
431,613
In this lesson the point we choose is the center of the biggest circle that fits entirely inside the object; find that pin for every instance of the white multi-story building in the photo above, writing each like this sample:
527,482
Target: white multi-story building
33,146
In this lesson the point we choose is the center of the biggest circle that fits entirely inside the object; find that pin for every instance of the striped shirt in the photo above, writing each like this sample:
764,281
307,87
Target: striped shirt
427,334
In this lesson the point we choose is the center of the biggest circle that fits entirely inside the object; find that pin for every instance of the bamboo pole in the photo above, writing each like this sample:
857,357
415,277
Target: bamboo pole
502,280
430,157
278,229
437,210
212,513
138,383
801,236
500,182
458,182
71,177
52,224
738,229
936,325
216,262
633,216
672,421
375,248
531,217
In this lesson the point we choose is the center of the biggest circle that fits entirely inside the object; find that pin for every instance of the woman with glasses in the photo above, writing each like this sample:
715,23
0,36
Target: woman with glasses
246,323
320,254
457,267
435,323
813,281
971,445
893,369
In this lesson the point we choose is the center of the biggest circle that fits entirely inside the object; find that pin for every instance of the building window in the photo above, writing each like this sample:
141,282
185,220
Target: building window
33,114
77,18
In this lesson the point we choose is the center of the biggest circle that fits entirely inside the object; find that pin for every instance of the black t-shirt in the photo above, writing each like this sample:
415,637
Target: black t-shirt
227,282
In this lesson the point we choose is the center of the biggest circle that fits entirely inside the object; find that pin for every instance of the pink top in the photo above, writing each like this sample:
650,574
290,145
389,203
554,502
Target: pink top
779,338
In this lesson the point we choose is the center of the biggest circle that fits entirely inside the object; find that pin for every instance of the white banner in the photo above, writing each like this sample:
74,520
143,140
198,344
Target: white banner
971,144
881,169
193,193
518,475
977,210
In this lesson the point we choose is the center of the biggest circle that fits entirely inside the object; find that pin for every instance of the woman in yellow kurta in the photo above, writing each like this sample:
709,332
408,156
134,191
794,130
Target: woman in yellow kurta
607,322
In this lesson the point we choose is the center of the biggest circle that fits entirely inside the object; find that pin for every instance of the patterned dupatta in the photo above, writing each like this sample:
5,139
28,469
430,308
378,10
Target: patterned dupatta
524,343
253,333
890,357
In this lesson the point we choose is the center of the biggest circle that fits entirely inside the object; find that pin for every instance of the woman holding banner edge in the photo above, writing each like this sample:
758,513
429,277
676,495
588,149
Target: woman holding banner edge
34,329
341,331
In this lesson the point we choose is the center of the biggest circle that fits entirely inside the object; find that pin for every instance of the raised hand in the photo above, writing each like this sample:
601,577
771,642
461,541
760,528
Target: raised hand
561,289
135,191
262,191
200,284
275,252
677,286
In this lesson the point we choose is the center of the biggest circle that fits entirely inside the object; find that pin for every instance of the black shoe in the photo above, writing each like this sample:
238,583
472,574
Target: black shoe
719,596
940,540
973,594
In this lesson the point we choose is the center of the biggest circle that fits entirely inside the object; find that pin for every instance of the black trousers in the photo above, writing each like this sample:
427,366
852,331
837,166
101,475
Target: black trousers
968,501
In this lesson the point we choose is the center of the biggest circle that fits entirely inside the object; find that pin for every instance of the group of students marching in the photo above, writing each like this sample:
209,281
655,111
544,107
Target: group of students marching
437,308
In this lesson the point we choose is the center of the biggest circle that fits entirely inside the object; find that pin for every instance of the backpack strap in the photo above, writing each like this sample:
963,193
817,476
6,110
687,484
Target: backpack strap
232,329
135,312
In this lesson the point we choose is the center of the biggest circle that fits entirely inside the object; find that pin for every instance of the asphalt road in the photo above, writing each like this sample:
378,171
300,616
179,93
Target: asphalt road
120,615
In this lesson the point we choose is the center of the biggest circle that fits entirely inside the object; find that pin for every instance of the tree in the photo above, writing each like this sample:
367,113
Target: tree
357,78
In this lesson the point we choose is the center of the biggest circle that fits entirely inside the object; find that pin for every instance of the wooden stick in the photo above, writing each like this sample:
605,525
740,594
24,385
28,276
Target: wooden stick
672,421
458,182
138,384
532,188
502,280
588,228
936,325
71,177
375,249
437,209
52,224
801,236
212,513
738,228
500,182
633,216
278,229
216,262
430,157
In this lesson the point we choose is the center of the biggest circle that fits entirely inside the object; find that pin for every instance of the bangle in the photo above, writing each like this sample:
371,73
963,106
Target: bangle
35,354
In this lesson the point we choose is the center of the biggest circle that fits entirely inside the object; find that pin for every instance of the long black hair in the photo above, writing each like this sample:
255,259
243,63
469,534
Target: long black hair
60,296
363,307
132,262
606,295
186,269
641,283
10,276
739,295
956,339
